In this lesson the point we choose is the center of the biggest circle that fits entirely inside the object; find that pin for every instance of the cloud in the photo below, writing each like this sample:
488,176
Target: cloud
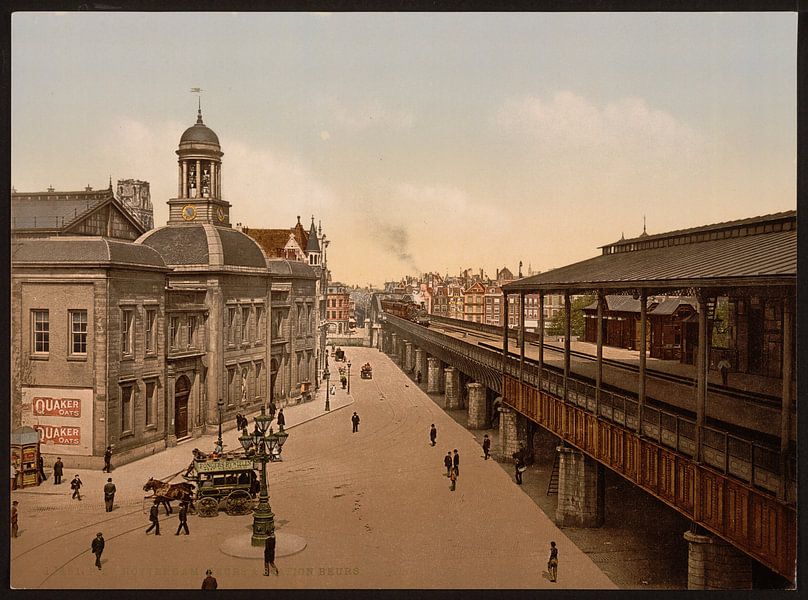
371,114
568,121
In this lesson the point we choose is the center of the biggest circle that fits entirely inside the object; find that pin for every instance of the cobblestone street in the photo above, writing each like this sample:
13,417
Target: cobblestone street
374,508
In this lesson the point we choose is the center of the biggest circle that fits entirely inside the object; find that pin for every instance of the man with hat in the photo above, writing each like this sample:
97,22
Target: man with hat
108,460
97,547
210,581
183,519
14,518
58,468
155,522
109,494
75,485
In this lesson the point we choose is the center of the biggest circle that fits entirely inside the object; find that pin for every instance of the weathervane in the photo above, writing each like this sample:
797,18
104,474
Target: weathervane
198,91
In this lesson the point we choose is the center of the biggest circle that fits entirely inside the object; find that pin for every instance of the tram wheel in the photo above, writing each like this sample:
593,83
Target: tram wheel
238,503
207,507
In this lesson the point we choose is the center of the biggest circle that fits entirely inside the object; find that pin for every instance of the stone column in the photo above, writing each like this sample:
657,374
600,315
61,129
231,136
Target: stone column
508,433
407,357
452,388
393,345
478,415
419,364
580,490
198,178
434,376
184,179
713,564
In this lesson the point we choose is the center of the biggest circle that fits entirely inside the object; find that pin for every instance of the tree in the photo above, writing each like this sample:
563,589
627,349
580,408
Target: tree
558,322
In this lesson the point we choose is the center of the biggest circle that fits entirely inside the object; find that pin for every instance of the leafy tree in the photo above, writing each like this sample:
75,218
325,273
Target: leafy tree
577,305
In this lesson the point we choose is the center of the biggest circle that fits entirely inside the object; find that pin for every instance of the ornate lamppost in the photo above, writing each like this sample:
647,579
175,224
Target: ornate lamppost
264,447
219,445
327,374
349,376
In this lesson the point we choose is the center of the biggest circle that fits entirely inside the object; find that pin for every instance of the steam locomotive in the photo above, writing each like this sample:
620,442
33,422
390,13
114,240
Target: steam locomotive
406,308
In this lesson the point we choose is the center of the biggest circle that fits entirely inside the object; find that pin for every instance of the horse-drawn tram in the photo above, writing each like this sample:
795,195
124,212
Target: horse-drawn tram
228,480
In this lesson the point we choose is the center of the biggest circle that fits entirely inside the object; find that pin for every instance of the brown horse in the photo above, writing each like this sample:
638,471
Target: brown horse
165,492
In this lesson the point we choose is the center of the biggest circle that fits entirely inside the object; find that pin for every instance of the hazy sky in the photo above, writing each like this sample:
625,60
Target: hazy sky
423,141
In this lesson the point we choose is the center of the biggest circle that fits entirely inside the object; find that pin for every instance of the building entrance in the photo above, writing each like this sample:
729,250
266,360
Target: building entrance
182,389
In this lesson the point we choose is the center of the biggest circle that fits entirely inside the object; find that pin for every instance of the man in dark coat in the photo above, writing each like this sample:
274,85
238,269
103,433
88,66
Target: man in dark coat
97,548
75,485
447,462
58,470
40,467
519,467
239,425
456,463
269,554
418,377
552,562
14,516
355,421
155,523
108,460
109,494
433,434
281,419
486,446
183,514
210,581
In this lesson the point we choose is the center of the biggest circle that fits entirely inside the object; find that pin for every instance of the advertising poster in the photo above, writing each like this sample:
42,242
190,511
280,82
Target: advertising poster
63,417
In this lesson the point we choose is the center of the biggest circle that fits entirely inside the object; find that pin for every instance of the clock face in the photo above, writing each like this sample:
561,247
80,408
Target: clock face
188,212
220,214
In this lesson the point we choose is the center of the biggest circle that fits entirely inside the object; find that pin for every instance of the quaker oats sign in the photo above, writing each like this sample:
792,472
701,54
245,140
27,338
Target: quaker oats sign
63,417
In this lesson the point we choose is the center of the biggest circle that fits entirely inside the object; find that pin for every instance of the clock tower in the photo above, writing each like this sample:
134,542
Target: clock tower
199,187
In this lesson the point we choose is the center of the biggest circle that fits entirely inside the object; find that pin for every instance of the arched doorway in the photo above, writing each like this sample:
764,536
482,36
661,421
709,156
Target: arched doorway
182,389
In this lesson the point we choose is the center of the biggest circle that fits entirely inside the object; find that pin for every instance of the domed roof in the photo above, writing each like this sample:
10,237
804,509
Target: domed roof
199,133
205,246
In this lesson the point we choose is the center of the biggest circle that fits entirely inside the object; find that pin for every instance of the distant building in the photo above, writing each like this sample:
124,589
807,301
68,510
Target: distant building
135,195
473,303
338,309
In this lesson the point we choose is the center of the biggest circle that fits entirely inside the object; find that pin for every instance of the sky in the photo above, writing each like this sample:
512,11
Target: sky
423,142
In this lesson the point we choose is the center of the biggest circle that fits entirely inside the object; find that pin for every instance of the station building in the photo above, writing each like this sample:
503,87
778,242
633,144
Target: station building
140,338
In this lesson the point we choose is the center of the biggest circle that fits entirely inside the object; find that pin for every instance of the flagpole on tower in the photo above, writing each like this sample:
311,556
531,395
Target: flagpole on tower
198,91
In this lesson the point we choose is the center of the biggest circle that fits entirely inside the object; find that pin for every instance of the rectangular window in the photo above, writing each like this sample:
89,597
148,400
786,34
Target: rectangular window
173,331
192,331
259,323
78,332
231,382
151,389
127,392
151,320
245,323
127,326
40,340
231,325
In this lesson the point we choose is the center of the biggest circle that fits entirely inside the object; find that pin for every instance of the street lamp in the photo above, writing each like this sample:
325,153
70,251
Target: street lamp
349,376
219,445
266,447
327,374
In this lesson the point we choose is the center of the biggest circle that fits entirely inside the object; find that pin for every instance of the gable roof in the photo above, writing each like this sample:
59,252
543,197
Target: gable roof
58,212
312,245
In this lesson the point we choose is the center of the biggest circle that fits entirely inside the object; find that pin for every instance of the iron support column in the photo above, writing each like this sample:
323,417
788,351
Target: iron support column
785,415
599,371
505,336
541,338
567,333
643,324
701,374
521,336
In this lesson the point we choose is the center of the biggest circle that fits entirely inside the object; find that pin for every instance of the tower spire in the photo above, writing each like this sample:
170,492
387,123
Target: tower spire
643,224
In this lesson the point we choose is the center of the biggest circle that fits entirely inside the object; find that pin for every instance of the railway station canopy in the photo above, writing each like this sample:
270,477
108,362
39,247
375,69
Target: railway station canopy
758,251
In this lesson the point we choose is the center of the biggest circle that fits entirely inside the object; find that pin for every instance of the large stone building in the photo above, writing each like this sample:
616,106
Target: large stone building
135,195
133,343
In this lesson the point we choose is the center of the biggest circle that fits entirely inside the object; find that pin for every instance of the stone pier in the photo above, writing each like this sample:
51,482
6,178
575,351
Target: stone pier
581,490
478,411
407,364
452,388
713,564
393,345
508,433
434,376
420,360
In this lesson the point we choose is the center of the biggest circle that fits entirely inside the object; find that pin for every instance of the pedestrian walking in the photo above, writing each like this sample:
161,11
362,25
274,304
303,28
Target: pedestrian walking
155,522
333,389
486,446
723,368
272,409
355,421
519,469
13,476
109,494
447,462
453,478
433,434
97,548
552,563
108,460
40,468
418,377
210,582
58,470
183,515
239,426
14,514
281,420
456,462
75,485
269,554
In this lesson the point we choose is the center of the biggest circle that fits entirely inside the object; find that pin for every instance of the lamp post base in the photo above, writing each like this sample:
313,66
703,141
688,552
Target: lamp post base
240,546
263,525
